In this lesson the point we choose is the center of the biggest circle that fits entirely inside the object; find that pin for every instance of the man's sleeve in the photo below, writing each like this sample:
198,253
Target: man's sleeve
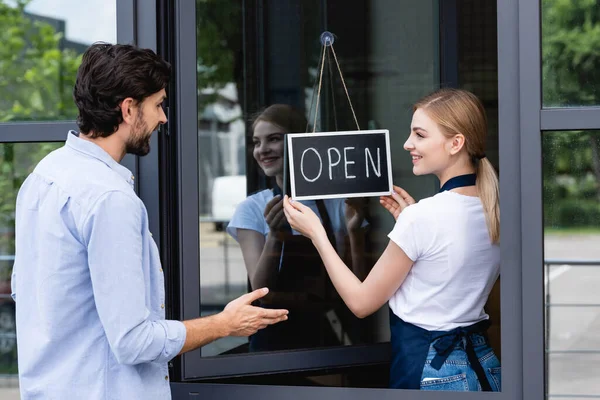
112,232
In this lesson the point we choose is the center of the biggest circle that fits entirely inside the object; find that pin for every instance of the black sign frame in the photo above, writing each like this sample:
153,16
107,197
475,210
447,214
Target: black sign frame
289,165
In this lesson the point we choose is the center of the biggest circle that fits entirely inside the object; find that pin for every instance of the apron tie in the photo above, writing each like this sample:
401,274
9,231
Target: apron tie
446,343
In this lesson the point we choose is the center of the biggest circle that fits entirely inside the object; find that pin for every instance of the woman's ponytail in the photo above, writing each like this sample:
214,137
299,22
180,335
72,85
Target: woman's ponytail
488,188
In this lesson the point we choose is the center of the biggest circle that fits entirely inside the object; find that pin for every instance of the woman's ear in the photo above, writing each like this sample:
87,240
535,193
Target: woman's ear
458,142
128,110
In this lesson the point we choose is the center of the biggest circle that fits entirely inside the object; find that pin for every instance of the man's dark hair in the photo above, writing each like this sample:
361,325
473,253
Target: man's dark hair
110,73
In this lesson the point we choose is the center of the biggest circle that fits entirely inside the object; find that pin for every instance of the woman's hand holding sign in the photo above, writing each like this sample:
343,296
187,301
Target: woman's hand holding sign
303,219
397,201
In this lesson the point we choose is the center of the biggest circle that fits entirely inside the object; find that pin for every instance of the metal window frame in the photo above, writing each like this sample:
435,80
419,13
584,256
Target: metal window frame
56,131
521,232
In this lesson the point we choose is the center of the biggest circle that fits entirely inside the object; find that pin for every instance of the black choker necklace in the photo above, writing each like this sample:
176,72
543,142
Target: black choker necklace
459,181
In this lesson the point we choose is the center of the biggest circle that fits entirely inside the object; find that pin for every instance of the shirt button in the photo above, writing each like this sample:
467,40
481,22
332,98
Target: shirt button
160,269
132,177
166,377
162,306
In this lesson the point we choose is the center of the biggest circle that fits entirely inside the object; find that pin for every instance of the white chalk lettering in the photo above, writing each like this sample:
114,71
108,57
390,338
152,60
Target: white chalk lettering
368,156
329,151
346,163
302,165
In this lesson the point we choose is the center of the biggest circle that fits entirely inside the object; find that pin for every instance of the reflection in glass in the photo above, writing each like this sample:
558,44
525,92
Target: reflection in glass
247,62
287,262
41,43
17,160
570,57
571,200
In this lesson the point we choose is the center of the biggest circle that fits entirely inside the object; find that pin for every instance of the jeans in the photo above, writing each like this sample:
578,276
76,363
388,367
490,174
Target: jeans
456,374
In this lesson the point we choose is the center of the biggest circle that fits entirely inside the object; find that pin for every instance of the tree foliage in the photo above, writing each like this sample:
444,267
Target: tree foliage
36,82
36,73
571,77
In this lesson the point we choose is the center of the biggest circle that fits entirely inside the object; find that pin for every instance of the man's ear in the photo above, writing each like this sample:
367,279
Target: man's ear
128,110
458,142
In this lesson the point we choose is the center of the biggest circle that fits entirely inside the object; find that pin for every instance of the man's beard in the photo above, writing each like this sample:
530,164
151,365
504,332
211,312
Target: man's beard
139,141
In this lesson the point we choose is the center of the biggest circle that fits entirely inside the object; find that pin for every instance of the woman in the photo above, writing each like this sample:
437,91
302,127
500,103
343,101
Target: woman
283,260
443,256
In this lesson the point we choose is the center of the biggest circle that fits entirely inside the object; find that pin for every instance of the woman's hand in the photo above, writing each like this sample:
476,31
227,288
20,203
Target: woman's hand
397,201
274,215
354,213
303,219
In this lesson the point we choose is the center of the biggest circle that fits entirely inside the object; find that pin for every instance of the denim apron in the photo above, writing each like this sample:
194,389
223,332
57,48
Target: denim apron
301,272
410,343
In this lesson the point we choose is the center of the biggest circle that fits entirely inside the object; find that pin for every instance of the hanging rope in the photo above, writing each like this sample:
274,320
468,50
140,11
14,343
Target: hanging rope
345,88
319,90
327,41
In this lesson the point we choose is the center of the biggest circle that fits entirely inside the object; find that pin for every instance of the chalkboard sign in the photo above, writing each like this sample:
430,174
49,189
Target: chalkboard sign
327,165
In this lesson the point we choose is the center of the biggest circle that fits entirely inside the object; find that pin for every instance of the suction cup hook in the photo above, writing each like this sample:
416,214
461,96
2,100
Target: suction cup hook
327,38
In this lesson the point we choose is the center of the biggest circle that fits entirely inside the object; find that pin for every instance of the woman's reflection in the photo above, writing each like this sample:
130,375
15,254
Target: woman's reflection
285,261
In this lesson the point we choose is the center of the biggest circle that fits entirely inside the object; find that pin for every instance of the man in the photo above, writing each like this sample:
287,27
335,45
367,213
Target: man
87,279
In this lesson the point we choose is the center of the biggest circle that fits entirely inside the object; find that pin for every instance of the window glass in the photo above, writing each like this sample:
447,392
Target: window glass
275,62
252,59
570,59
17,160
571,193
41,44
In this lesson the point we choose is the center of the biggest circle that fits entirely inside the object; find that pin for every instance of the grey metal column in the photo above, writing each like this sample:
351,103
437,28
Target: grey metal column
187,154
532,256
147,176
510,198
126,34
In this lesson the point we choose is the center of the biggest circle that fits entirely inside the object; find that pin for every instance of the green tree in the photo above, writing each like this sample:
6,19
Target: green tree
218,45
571,77
36,81
36,74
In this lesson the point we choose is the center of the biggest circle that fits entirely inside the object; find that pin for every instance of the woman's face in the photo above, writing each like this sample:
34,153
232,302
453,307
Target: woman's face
268,147
429,147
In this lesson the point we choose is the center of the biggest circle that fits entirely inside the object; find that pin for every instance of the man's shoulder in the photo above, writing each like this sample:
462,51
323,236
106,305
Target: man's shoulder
84,179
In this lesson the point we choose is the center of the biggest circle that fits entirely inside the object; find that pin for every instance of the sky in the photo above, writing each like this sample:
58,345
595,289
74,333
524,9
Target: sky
87,21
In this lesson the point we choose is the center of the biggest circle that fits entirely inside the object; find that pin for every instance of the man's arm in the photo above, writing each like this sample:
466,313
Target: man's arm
112,234
239,318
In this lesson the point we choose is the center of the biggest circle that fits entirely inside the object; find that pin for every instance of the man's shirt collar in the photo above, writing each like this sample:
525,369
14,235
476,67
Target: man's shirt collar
93,150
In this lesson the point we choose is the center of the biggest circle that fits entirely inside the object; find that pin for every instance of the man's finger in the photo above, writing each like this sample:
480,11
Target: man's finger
274,314
252,296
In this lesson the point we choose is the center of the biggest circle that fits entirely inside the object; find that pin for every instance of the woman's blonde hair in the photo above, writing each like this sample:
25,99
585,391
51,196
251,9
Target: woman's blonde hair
459,111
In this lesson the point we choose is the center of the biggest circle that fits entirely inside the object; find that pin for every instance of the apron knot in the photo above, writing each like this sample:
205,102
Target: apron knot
444,346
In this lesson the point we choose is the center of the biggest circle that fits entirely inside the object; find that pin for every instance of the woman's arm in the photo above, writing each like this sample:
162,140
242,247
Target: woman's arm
261,257
354,216
356,241
362,298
